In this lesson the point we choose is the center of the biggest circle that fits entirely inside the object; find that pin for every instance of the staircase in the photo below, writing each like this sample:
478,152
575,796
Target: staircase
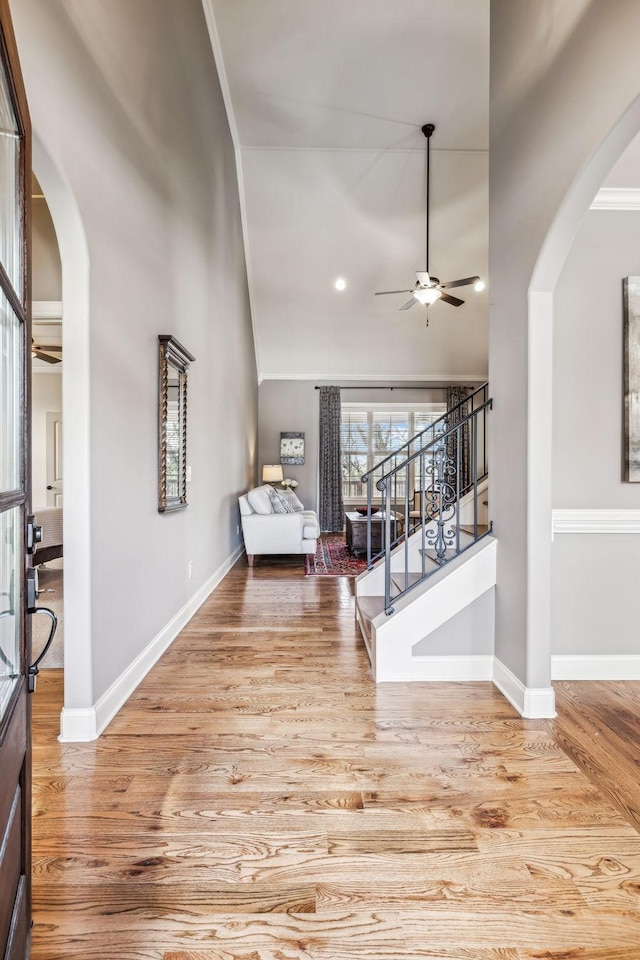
425,604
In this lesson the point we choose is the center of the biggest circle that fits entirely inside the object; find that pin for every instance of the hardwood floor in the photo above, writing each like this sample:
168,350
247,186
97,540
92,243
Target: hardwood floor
259,798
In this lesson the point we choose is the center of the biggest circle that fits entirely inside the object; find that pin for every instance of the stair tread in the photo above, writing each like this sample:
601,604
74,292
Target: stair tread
370,607
402,584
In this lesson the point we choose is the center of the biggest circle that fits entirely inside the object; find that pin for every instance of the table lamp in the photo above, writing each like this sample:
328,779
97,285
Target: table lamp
272,473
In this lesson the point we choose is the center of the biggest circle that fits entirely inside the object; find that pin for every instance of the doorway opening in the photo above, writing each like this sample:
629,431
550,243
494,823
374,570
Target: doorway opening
47,473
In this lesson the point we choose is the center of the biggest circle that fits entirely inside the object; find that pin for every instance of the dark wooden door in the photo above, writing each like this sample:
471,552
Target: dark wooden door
15,469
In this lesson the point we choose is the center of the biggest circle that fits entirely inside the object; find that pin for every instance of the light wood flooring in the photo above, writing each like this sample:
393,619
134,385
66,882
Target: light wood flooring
259,798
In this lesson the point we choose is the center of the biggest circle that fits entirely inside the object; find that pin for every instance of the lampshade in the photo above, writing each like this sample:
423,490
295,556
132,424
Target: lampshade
272,473
427,295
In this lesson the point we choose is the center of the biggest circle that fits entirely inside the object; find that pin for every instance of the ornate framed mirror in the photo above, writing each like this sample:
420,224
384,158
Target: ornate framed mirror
173,366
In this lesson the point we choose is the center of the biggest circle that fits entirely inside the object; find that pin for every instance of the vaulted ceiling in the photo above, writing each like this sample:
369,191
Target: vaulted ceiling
328,99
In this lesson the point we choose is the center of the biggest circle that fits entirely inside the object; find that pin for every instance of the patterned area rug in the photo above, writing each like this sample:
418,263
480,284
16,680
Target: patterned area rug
332,559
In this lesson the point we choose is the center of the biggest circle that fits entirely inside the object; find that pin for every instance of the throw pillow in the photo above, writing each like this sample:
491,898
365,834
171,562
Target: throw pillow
279,502
260,499
292,500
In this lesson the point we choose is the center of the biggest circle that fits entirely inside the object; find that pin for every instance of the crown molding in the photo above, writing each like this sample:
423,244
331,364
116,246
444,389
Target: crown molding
418,379
46,310
617,198
596,521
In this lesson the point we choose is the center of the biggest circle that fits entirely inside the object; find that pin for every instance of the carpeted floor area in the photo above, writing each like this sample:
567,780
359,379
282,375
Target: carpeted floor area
332,559
51,581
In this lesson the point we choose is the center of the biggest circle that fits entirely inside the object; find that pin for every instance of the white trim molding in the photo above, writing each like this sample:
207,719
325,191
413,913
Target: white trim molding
617,198
46,310
596,521
81,725
532,703
445,669
418,378
595,667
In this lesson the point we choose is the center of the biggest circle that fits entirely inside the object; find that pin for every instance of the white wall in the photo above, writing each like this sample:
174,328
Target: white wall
314,216
587,441
125,99
46,268
564,83
46,397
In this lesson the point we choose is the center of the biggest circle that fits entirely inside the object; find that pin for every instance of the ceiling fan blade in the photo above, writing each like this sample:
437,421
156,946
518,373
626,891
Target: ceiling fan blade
383,293
459,283
454,301
409,304
53,347
46,357
423,278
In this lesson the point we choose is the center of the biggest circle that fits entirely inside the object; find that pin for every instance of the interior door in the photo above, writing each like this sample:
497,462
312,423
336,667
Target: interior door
15,473
55,481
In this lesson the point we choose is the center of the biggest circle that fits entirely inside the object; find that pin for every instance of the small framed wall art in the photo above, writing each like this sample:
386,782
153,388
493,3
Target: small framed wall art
292,448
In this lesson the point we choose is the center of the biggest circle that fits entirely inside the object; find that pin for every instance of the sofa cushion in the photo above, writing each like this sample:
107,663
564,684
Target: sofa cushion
260,500
311,527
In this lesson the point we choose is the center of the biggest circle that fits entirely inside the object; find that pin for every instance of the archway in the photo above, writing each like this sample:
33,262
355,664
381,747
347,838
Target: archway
74,254
552,257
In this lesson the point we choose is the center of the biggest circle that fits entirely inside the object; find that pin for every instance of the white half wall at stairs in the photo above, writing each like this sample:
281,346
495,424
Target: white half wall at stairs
417,615
81,725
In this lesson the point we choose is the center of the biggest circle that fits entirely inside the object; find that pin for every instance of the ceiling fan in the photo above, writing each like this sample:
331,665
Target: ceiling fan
428,288
49,352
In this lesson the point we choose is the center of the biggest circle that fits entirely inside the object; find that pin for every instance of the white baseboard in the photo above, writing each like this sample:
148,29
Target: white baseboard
84,724
533,703
442,669
595,667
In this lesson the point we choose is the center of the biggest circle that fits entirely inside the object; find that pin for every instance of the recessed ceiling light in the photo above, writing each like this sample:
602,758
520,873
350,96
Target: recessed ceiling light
479,286
340,283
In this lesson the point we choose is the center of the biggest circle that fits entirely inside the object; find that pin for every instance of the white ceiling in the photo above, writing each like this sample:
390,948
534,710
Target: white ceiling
356,73
328,99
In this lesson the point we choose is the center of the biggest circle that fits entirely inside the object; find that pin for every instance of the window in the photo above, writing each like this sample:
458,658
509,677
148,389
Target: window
370,432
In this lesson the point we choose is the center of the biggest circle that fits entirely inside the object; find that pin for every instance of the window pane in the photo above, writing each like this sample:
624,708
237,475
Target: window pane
10,621
10,377
390,431
10,214
355,431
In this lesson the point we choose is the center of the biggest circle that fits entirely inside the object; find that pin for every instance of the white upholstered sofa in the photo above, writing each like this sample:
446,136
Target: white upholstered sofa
267,531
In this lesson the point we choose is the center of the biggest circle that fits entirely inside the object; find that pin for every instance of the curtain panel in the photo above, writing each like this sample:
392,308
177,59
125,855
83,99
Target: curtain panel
331,507
455,395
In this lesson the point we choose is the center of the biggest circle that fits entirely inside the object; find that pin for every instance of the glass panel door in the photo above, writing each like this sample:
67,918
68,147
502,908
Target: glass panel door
15,333
10,603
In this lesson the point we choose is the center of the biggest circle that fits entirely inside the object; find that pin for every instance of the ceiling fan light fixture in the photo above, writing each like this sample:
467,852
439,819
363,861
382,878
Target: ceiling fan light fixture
427,295
479,286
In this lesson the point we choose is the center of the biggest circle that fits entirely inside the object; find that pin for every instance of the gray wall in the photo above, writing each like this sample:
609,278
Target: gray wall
562,74
125,98
587,364
598,615
293,405
470,633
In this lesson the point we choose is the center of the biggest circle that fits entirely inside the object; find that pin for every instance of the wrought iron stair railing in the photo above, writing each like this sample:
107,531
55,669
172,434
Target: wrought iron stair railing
448,463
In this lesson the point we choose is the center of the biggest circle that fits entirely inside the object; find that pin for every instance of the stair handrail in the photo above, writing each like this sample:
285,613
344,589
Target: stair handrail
446,493
431,426
487,405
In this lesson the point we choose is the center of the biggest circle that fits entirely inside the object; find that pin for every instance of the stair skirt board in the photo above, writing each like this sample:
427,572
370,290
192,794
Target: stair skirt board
445,669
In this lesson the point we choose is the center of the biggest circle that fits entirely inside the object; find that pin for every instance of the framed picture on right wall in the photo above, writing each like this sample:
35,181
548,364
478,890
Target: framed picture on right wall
631,336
